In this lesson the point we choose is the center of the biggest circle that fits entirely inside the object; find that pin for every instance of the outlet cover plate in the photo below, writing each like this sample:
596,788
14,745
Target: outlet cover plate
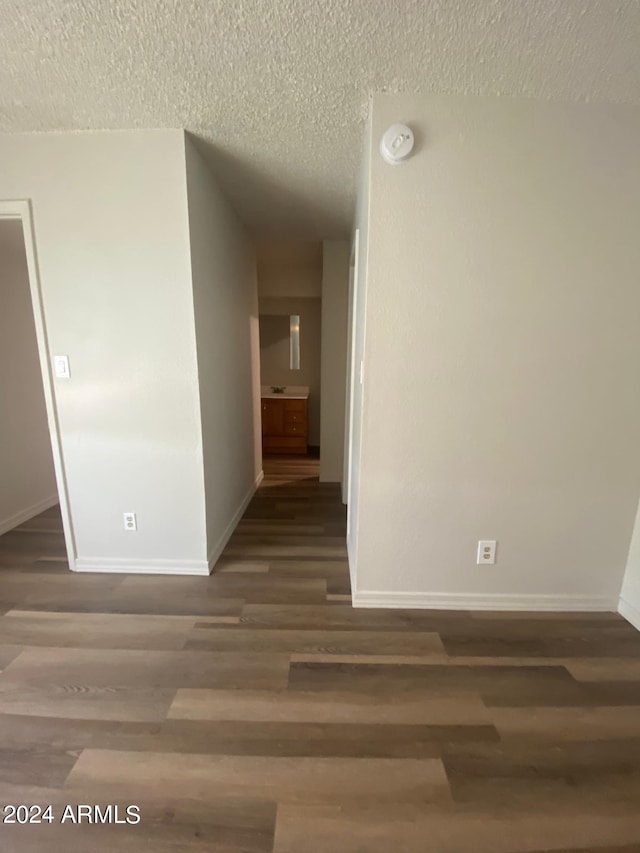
487,552
130,522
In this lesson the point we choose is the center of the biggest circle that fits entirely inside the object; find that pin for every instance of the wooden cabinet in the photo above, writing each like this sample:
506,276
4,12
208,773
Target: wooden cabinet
284,425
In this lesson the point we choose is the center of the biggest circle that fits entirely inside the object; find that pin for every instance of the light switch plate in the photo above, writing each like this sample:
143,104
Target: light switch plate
61,366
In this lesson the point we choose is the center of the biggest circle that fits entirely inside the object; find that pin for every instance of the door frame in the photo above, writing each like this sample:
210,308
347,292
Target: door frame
21,209
351,368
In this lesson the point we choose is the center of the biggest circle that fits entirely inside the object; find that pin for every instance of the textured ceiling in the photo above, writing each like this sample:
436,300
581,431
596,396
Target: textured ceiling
276,90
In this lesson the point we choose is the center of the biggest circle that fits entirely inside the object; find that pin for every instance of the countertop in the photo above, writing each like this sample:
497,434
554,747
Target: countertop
291,392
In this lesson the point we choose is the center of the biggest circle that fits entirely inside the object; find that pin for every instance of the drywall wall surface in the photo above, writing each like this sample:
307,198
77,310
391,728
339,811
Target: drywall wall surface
358,329
226,313
502,350
111,231
630,592
289,268
274,360
285,283
27,478
335,292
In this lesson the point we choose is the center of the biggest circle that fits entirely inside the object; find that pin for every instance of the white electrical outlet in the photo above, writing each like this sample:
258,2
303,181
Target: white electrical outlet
487,552
130,522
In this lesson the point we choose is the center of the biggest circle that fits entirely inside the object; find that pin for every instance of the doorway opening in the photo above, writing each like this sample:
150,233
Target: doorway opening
290,325
35,524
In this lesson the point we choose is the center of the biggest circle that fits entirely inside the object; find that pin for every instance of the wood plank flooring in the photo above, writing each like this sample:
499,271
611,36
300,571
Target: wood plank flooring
257,712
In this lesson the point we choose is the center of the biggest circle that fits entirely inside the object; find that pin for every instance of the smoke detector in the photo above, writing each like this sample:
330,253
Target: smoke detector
396,144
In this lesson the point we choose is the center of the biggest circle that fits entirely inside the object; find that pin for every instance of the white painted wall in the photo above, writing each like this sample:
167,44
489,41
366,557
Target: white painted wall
110,214
335,292
630,593
358,315
226,316
27,479
287,283
289,268
502,350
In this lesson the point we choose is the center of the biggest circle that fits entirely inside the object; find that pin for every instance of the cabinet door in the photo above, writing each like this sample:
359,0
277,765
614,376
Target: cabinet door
272,417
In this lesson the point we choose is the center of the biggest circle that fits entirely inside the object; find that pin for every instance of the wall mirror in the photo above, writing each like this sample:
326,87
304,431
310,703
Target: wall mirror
294,342
280,340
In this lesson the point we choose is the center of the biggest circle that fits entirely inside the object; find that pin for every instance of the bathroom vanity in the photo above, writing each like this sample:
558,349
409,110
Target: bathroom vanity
284,420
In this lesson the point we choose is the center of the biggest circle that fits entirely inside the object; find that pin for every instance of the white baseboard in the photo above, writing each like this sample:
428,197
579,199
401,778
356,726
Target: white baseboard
12,521
216,551
480,601
141,567
630,613
169,567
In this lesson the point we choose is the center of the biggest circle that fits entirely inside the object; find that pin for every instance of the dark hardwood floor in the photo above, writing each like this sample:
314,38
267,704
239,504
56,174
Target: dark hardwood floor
256,711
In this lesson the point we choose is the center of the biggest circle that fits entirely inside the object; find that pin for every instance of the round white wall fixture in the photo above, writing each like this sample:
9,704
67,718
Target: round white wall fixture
397,143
